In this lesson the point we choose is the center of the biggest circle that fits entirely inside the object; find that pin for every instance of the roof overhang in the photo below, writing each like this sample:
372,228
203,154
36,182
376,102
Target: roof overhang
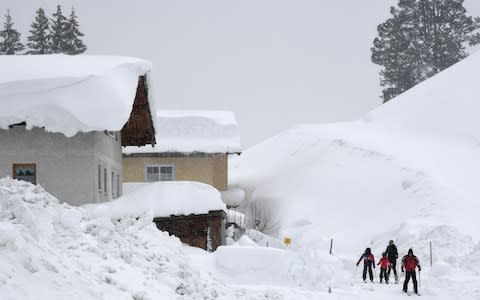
139,129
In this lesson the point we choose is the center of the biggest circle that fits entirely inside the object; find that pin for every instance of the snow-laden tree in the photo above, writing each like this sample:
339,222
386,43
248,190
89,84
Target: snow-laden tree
73,43
39,34
58,32
422,38
10,38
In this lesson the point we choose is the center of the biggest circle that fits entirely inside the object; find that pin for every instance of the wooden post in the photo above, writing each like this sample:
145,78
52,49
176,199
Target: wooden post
331,245
431,259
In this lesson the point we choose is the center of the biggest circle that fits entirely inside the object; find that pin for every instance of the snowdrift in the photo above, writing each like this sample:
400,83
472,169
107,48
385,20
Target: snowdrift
53,251
407,172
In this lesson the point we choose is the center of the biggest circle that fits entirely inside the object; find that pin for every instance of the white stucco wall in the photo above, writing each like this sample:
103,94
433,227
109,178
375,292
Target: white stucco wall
66,167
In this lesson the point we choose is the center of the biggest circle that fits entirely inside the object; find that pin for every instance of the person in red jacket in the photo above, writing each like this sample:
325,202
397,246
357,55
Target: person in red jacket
409,263
384,264
368,262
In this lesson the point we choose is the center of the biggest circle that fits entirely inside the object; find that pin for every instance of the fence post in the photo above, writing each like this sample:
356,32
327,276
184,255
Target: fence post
331,245
431,259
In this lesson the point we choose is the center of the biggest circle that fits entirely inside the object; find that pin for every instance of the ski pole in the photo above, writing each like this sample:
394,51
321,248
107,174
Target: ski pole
419,280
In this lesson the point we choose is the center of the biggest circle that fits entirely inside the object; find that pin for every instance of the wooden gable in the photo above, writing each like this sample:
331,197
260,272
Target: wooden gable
139,130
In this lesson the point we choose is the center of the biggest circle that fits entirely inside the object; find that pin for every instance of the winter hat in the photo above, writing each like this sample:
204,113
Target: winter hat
368,251
410,251
384,254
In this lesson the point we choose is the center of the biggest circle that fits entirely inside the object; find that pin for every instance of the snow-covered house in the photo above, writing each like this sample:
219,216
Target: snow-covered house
64,119
191,145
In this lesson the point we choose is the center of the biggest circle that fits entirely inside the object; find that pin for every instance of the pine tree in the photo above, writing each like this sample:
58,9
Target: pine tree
10,43
57,32
422,38
40,36
73,43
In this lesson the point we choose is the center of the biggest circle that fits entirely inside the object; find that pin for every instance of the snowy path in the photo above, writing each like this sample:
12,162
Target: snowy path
347,288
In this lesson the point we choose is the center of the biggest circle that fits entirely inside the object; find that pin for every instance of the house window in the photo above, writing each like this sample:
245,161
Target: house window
118,185
112,179
99,178
159,173
25,172
105,181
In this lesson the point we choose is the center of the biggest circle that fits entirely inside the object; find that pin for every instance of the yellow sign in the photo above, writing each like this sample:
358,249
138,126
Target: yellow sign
287,241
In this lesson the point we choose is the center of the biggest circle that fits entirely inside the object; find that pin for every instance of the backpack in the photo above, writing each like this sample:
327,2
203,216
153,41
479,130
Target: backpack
410,262
368,259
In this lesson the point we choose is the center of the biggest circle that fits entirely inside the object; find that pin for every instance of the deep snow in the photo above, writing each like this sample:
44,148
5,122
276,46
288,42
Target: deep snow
407,172
162,199
55,251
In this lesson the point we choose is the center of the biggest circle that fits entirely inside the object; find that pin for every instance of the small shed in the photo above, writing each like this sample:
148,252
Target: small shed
206,231
192,211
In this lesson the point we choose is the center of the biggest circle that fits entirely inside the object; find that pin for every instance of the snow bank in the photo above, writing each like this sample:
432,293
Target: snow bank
68,94
129,187
194,131
243,263
163,199
408,172
53,251
259,265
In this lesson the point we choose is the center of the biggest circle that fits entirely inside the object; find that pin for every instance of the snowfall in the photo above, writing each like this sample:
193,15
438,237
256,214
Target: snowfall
407,171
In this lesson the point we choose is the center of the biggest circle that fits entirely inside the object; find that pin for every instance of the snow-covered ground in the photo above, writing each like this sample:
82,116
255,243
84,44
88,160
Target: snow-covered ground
53,251
408,172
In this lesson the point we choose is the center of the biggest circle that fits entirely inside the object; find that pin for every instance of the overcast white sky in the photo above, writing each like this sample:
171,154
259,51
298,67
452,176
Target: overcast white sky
276,63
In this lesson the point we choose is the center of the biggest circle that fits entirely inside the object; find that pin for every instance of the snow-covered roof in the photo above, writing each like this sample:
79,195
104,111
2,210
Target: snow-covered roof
69,94
193,131
165,198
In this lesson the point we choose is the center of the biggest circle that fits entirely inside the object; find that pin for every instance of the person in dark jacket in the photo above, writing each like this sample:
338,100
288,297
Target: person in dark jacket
368,263
392,255
409,263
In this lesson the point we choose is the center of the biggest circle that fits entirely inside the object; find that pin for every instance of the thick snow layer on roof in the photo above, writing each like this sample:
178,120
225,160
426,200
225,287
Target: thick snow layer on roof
69,94
193,131
233,197
163,199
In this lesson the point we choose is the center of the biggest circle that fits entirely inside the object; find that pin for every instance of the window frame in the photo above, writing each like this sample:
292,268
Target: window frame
105,180
19,165
112,180
118,185
99,174
159,166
